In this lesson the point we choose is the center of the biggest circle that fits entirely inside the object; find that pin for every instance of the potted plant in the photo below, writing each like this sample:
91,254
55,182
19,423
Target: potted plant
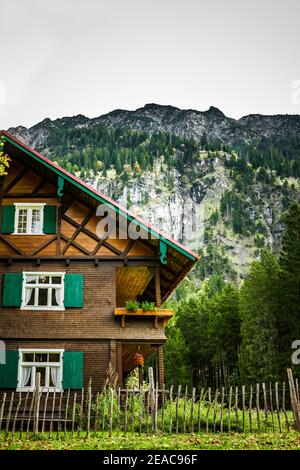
148,306
132,305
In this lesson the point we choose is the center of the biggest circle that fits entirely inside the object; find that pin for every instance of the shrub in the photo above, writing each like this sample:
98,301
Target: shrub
132,305
148,306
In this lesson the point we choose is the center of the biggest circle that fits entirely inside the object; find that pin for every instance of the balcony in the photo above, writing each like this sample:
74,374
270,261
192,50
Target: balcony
159,313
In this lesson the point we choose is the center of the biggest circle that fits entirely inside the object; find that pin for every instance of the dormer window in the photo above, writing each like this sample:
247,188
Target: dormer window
29,219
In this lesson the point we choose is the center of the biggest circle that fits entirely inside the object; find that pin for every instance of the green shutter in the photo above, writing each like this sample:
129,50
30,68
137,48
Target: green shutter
72,370
12,290
9,370
8,219
73,290
49,219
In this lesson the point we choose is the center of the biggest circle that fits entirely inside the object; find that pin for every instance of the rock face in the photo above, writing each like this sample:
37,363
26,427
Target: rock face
176,210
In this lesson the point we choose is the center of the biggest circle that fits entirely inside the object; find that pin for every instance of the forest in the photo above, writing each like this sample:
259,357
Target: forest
226,334
98,148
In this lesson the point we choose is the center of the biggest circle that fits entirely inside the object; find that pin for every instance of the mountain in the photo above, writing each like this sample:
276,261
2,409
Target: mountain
217,184
213,124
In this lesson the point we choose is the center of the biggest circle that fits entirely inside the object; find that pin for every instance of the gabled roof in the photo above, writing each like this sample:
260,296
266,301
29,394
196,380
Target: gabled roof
97,195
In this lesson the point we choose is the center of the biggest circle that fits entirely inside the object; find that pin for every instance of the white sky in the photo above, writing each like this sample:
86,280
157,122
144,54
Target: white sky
66,57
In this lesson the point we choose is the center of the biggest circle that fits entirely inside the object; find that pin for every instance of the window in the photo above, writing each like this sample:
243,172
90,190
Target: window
43,291
47,362
29,219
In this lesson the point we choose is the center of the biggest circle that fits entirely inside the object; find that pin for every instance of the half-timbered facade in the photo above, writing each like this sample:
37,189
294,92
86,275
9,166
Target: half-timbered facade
64,284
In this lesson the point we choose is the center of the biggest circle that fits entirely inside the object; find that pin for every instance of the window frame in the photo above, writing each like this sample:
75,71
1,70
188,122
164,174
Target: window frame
43,307
30,206
34,365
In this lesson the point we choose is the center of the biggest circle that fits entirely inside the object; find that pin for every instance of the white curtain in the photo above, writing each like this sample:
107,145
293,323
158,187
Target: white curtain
36,221
54,376
28,291
58,296
26,376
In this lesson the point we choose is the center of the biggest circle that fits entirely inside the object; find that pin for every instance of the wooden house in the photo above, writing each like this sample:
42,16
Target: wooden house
63,285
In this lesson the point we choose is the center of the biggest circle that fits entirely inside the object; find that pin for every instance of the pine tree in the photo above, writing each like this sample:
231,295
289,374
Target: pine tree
289,319
259,352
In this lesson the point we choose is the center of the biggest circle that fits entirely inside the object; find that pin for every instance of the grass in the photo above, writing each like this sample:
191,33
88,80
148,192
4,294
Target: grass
212,441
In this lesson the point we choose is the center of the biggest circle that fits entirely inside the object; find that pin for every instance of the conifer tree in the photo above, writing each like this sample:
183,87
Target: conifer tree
289,318
259,352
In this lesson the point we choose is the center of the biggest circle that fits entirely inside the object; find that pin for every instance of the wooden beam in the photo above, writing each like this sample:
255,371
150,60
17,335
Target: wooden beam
11,245
77,231
183,273
128,247
151,286
120,364
16,180
58,218
134,261
175,260
161,371
73,243
44,245
105,242
97,247
81,228
157,287
29,195
39,185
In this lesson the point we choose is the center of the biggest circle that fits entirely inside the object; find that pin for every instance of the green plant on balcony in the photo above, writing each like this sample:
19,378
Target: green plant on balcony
132,305
148,306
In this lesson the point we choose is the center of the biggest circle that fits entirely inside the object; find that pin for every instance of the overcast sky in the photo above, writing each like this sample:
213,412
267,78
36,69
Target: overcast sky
67,57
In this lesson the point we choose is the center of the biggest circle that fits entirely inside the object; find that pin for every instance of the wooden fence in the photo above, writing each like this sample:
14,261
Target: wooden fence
260,408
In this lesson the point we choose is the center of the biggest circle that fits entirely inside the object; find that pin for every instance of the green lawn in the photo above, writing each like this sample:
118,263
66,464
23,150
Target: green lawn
284,441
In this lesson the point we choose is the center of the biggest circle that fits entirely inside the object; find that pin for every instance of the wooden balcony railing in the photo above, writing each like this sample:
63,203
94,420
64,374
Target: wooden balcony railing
164,313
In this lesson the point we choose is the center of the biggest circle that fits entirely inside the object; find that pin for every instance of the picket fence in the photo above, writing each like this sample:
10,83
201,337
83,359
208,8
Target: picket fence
260,408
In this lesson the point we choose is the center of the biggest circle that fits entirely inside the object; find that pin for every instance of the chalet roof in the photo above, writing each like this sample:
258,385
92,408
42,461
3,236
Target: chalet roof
190,256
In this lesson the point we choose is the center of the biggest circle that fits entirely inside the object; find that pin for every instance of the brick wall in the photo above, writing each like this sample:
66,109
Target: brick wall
94,321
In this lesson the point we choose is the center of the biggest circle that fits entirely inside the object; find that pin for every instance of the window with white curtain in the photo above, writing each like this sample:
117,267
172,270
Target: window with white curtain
45,361
29,218
43,291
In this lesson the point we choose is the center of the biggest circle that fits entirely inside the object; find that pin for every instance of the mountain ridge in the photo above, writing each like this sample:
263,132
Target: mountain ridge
212,124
